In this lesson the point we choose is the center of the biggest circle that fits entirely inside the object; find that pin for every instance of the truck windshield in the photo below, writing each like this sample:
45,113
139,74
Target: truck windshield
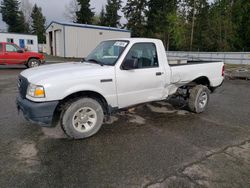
107,52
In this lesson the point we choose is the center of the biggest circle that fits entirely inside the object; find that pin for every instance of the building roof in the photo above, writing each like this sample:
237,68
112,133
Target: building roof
17,33
88,26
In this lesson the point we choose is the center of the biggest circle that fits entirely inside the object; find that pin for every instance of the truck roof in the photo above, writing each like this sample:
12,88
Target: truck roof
138,39
7,43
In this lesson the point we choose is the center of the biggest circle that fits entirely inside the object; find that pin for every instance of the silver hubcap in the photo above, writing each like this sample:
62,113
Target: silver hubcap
203,99
84,119
34,64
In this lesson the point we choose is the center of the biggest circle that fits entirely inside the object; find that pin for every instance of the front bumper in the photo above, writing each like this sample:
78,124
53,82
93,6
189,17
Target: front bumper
41,113
43,61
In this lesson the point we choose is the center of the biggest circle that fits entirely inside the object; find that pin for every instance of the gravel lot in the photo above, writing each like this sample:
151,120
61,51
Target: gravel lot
154,145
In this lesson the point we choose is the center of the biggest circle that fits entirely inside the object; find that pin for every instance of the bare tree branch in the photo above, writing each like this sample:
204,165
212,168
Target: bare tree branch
71,9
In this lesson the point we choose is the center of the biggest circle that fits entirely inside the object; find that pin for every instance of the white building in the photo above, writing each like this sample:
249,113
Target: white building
25,41
78,40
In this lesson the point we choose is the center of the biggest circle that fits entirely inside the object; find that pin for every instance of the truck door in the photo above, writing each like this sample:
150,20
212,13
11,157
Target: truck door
143,83
13,55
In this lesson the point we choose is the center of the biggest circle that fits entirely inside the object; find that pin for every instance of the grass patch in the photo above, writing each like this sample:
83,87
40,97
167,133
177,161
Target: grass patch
234,66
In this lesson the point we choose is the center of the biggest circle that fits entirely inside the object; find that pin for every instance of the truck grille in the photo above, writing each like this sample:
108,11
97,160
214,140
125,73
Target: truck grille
22,86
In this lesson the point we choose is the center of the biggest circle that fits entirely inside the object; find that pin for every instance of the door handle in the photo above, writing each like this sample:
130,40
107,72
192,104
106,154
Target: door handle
159,73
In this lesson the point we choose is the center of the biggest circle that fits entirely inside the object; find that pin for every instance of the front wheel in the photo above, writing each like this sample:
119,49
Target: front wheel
82,118
33,63
198,98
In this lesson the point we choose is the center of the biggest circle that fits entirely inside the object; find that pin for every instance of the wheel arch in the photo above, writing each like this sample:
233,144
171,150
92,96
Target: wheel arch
202,80
33,58
88,93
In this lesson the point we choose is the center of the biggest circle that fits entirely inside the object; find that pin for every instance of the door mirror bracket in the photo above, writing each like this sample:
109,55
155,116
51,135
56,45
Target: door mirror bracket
20,51
130,64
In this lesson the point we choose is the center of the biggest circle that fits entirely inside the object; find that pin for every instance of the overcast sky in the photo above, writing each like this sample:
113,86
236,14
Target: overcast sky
54,9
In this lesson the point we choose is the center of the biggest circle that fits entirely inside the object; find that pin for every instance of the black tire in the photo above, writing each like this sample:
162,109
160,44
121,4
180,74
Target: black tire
198,98
33,63
71,115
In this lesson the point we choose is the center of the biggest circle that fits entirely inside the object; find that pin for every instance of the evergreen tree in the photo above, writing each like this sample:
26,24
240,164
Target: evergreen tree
222,31
112,18
96,20
22,25
13,17
201,28
134,11
102,18
84,14
245,25
159,13
38,23
177,30
241,24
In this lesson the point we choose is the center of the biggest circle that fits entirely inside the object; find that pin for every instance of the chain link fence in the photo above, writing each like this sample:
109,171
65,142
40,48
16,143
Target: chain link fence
226,57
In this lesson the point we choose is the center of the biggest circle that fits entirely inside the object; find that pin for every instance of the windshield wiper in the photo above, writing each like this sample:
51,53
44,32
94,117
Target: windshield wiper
95,61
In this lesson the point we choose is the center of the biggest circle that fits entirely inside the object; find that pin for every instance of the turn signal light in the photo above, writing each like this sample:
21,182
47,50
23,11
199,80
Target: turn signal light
39,92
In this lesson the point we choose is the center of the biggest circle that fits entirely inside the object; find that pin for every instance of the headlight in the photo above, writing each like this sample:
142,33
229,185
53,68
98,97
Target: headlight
36,91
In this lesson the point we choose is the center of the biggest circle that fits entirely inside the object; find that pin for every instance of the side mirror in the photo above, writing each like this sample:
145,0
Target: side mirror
130,64
20,51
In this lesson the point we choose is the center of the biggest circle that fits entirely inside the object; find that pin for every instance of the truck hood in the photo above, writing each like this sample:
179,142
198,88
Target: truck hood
70,70
30,53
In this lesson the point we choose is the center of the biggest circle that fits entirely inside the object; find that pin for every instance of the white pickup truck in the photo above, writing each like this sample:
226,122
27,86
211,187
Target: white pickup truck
117,74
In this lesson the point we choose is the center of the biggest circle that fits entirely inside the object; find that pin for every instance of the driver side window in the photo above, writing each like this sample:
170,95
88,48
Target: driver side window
145,54
11,48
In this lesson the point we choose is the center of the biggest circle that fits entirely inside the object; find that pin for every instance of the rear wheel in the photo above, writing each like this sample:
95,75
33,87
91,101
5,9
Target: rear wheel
198,98
33,63
82,118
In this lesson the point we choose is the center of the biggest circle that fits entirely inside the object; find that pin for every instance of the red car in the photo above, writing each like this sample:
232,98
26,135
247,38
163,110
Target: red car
11,54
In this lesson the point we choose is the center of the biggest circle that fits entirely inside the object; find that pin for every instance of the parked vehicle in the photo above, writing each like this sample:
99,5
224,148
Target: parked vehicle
11,54
117,74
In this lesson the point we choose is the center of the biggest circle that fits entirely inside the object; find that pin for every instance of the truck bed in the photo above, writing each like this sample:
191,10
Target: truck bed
185,73
191,63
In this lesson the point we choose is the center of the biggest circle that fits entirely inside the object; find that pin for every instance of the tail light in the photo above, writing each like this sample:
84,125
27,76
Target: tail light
223,71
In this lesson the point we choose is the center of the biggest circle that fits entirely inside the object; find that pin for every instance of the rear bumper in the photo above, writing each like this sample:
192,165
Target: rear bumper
40,113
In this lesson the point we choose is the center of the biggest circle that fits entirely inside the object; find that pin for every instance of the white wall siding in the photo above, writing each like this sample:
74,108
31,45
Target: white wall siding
58,44
16,37
80,42
77,41
58,40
